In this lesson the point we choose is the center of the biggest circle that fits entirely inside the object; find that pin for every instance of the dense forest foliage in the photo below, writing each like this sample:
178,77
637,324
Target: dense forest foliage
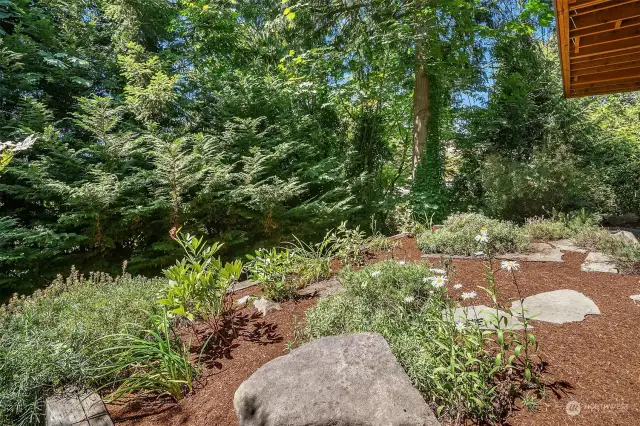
250,121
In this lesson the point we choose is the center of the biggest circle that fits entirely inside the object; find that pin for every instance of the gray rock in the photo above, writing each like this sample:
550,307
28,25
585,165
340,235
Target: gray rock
558,307
540,252
322,288
264,306
242,285
635,298
78,409
349,380
625,237
485,317
625,219
567,245
599,262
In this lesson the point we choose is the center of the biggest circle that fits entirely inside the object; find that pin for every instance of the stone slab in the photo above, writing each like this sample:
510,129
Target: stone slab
81,409
599,262
635,298
540,252
485,317
567,245
264,306
558,307
322,288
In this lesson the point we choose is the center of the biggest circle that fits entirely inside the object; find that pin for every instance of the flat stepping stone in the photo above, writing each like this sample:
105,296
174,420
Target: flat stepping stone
484,317
78,409
558,307
599,262
541,252
322,288
567,245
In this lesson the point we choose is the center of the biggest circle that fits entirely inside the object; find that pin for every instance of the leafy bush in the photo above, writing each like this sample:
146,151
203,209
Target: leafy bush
458,236
561,226
550,181
276,271
198,284
453,363
48,340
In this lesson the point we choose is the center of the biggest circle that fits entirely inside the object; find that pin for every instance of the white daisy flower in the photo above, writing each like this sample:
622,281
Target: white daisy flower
460,326
438,282
510,265
375,274
484,231
482,238
409,299
438,271
457,286
468,295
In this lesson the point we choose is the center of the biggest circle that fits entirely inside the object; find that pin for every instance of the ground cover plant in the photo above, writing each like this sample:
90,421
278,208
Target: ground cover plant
49,340
458,236
466,373
561,225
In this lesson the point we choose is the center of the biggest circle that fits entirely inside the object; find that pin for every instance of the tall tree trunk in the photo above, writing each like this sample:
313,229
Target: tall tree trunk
421,106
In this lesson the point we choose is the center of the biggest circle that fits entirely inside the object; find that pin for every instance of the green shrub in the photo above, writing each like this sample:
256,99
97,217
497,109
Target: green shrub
199,283
561,225
48,341
458,236
276,271
453,363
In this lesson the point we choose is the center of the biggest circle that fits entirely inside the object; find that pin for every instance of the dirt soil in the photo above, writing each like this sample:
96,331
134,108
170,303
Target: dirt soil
592,368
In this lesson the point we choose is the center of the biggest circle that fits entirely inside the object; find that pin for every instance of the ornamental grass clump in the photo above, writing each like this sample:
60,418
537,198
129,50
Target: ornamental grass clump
463,371
458,236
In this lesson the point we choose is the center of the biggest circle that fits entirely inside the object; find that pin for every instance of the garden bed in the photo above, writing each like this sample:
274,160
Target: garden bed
594,362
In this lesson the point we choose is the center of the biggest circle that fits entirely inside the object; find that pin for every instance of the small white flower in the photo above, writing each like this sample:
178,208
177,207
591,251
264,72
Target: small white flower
402,262
460,326
438,271
409,299
438,282
375,274
482,238
484,231
457,286
510,265
469,295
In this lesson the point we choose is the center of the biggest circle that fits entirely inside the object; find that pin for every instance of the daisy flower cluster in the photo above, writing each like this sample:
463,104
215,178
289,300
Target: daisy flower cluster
509,265
438,281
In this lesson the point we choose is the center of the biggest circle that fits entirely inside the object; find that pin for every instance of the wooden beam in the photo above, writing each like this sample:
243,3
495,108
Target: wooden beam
581,4
600,8
610,36
606,68
624,76
612,14
562,24
607,48
604,28
625,56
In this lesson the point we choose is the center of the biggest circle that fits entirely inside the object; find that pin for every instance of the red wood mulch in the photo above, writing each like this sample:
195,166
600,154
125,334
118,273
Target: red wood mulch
593,365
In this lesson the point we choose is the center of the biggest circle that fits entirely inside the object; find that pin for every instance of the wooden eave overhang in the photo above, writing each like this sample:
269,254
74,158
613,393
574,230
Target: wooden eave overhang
599,42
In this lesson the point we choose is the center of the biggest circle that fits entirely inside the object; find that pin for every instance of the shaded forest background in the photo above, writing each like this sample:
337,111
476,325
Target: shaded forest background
250,121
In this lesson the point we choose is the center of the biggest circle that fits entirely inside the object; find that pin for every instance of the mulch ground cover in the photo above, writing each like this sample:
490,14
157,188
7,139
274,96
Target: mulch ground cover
592,368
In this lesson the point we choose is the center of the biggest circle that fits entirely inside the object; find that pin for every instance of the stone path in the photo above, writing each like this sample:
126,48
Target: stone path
599,262
558,307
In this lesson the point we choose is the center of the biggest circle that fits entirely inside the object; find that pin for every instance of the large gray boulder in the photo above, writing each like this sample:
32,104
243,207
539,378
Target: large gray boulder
349,380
